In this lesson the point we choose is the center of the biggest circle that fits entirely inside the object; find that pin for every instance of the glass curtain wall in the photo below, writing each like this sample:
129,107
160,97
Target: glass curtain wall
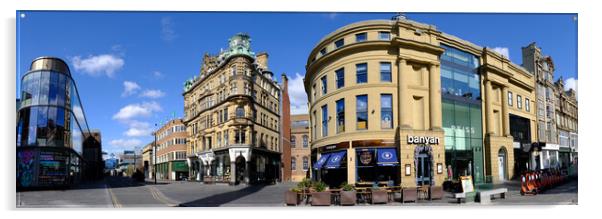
51,118
462,120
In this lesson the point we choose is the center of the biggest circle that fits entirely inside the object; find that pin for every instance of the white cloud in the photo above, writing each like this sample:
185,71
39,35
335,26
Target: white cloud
79,113
153,94
126,143
571,83
157,74
502,50
296,92
129,88
137,110
167,29
138,129
98,65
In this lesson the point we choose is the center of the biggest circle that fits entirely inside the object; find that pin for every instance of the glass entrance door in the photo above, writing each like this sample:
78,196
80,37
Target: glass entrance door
423,169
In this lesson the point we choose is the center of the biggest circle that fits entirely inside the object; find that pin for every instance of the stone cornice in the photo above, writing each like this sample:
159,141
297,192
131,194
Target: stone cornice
420,46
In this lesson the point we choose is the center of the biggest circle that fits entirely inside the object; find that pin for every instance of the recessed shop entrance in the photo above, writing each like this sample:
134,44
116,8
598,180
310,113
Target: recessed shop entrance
424,165
240,169
502,164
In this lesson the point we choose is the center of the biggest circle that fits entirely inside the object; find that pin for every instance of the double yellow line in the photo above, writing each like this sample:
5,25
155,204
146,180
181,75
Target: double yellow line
114,199
157,195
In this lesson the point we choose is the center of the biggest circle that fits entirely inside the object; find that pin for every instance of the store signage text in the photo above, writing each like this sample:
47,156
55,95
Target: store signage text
422,140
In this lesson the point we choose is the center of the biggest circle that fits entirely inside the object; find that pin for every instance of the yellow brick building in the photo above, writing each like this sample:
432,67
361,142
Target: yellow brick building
399,102
232,117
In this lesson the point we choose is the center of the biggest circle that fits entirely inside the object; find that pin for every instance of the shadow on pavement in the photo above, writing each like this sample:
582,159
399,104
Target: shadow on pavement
112,181
223,198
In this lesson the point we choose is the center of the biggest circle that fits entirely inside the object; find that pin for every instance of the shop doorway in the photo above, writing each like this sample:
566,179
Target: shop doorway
502,164
240,169
423,162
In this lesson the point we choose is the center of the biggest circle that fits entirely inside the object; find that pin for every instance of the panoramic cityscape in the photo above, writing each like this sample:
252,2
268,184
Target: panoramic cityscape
160,109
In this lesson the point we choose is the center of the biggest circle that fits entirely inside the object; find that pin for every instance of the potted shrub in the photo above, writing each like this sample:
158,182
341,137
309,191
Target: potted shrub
378,195
320,197
292,196
348,194
304,184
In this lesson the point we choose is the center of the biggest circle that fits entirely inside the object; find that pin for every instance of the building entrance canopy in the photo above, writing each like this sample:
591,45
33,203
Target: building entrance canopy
335,160
318,165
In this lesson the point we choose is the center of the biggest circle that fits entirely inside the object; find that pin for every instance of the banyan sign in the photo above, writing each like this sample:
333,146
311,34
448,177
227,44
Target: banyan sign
422,140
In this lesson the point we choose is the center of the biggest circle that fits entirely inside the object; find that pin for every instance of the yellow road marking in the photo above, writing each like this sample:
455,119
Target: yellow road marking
114,199
157,195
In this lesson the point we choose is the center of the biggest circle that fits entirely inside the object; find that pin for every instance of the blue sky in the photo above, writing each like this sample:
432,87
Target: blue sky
130,66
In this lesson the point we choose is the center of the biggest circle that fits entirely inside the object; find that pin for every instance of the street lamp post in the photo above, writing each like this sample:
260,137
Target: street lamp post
155,154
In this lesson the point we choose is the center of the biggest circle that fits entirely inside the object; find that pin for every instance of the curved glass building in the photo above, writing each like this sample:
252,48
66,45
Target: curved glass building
50,126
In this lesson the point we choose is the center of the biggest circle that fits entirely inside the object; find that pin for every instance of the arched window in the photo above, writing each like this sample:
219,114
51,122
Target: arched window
305,139
240,112
293,141
305,163
233,70
293,163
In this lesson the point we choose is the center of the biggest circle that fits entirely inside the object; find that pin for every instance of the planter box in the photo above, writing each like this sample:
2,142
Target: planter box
409,194
436,192
379,197
348,197
320,199
291,198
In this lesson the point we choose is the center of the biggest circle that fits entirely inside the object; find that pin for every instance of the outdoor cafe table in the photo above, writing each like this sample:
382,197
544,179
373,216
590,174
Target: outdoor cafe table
391,191
335,195
423,192
364,184
363,194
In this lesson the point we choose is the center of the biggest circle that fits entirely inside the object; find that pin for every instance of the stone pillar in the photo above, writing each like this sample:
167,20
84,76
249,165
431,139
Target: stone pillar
435,97
404,111
489,106
233,171
247,171
350,165
247,139
505,113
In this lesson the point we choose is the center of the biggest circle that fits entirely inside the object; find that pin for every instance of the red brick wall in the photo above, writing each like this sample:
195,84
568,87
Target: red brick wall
286,131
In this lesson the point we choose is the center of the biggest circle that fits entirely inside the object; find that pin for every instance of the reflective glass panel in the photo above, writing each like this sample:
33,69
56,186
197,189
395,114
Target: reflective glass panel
362,111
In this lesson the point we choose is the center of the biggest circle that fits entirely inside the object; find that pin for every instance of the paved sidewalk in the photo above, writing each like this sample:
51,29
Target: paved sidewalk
124,192
87,195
